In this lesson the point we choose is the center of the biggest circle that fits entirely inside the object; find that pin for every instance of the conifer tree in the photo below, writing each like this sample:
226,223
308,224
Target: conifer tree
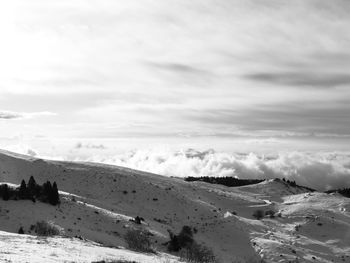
32,186
47,191
23,190
20,230
55,196
6,194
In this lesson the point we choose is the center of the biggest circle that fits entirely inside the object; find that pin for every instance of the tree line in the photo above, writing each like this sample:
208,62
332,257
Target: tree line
227,181
47,193
344,192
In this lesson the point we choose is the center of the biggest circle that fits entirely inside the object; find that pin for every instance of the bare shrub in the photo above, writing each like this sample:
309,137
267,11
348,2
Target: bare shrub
182,240
258,214
270,213
138,240
43,228
20,230
196,253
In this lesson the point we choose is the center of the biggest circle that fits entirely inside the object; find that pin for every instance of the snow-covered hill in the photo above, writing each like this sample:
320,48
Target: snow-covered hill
98,200
27,248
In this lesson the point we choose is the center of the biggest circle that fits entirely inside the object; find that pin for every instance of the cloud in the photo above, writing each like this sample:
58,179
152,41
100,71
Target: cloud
322,171
301,79
80,145
21,149
180,68
299,117
97,58
9,115
38,114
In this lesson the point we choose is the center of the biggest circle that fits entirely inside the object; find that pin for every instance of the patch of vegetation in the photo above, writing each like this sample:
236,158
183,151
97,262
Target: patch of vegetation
138,240
137,220
258,214
294,184
47,193
227,181
20,230
290,183
270,213
182,240
344,192
43,228
189,250
197,253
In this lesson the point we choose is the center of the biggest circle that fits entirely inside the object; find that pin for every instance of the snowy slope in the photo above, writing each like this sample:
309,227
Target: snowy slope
98,201
27,248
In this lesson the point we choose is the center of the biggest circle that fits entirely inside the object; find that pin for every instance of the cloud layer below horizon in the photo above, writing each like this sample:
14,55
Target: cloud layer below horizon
321,171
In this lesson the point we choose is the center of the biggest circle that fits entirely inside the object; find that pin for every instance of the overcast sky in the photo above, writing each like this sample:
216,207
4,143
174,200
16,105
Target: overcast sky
261,69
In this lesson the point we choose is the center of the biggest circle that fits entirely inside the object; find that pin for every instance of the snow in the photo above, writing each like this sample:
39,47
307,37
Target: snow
99,200
27,248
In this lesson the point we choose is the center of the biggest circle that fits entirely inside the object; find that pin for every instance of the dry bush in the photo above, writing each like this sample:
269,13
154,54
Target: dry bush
258,214
138,240
197,253
43,228
270,213
182,240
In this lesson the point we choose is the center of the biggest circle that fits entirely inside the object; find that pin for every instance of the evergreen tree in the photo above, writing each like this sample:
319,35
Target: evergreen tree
32,186
6,193
173,245
20,230
47,191
183,240
23,190
185,237
54,197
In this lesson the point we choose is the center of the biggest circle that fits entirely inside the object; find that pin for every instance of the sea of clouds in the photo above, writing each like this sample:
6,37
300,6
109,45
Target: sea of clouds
322,171
318,170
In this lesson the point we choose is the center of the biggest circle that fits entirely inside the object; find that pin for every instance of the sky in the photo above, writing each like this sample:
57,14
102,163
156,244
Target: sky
81,78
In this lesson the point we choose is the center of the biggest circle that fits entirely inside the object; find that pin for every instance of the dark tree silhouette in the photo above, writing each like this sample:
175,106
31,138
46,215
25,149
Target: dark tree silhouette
344,192
54,197
46,193
258,214
23,191
32,186
173,244
20,230
6,193
227,181
185,237
183,240
138,220
47,189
